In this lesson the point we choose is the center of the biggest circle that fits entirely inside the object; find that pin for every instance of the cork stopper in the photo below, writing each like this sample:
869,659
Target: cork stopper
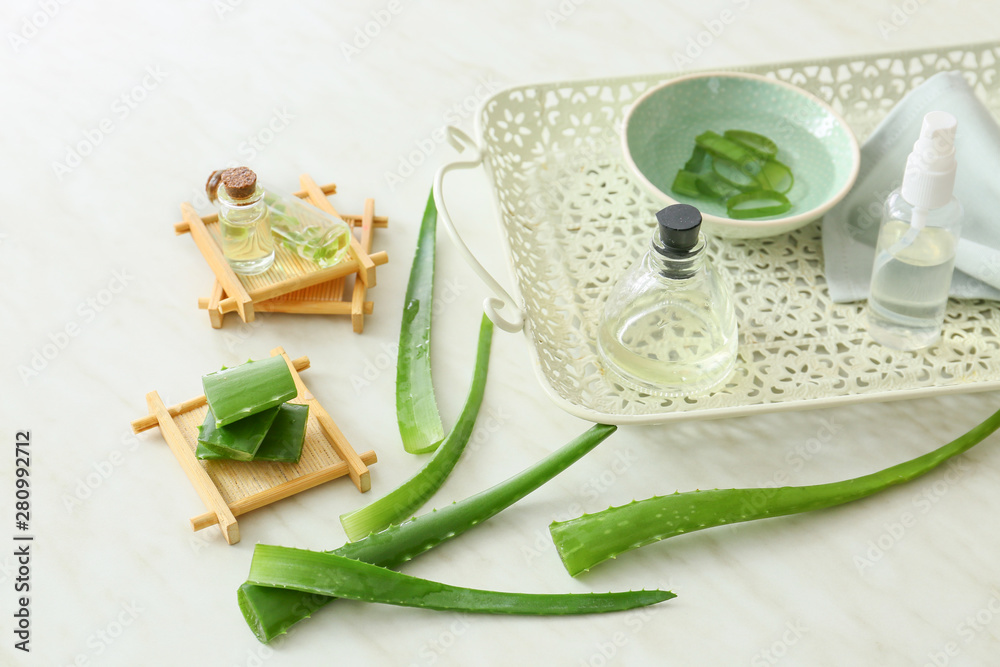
240,182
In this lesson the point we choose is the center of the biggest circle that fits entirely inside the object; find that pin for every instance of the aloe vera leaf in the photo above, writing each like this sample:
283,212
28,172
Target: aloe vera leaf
284,439
241,439
416,408
205,453
244,390
283,442
329,574
271,611
593,538
399,504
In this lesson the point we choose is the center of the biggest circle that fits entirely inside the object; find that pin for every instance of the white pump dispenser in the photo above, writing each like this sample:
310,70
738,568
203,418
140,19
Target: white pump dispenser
915,256
929,178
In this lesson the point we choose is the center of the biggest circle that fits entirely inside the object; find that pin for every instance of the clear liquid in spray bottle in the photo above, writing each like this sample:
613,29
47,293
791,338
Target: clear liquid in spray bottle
915,255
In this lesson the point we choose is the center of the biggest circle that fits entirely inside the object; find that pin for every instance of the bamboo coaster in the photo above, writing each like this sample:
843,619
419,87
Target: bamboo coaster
232,488
326,298
292,284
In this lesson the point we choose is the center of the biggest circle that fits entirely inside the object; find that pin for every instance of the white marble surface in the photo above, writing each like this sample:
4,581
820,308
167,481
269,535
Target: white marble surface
119,579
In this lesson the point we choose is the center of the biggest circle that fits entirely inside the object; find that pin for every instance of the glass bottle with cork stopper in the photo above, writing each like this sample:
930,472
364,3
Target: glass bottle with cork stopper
669,326
244,222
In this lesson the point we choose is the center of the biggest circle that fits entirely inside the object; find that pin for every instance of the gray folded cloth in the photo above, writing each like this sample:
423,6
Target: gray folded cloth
850,229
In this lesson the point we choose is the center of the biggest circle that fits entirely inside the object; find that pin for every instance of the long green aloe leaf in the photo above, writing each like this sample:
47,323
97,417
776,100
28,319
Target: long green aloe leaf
400,504
593,538
416,408
271,611
329,574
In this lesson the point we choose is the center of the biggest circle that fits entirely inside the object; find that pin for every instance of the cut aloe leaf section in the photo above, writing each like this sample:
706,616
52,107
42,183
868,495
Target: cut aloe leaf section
282,443
241,439
236,393
284,439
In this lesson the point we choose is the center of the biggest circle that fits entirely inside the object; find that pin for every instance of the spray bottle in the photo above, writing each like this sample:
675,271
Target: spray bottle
915,255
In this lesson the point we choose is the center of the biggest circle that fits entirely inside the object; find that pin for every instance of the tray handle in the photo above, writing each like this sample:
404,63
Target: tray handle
501,299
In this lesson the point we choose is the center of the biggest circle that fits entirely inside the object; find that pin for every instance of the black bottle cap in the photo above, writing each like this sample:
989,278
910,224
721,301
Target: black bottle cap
679,226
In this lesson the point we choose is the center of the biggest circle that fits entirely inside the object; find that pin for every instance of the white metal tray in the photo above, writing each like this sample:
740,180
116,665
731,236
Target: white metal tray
573,219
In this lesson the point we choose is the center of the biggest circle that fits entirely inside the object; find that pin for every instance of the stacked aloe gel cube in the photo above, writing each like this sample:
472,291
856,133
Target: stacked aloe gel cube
249,417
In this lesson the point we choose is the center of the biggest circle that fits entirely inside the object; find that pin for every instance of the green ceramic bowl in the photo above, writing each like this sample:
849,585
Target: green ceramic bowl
813,140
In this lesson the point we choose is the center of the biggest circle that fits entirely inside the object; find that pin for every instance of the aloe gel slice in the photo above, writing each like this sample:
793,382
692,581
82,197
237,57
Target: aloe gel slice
244,390
686,183
757,143
239,440
775,175
718,146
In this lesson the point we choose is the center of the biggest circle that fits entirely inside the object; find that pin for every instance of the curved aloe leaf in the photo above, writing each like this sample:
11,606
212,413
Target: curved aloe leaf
416,408
400,504
271,611
329,574
593,538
